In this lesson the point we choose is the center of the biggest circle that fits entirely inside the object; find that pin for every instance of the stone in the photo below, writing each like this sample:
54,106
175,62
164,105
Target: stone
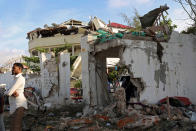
185,119
64,122
77,122
108,124
101,117
127,120
62,126
194,127
145,122
130,107
78,127
132,112
120,100
51,114
148,110
111,114
88,111
138,107
133,100
65,119
109,107
79,114
114,120
64,113
92,128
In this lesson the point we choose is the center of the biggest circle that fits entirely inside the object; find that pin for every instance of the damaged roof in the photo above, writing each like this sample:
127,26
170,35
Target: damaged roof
117,25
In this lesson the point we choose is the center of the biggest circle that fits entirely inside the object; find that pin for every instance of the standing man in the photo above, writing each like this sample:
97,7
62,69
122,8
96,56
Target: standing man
17,100
2,127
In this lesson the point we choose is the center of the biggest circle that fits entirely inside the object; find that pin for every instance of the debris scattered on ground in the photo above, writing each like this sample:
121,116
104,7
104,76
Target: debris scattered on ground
116,116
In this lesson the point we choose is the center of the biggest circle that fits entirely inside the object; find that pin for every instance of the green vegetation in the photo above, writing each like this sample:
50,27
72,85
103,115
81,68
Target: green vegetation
133,21
136,21
31,59
60,49
113,75
78,84
32,63
190,30
72,59
56,50
42,50
168,22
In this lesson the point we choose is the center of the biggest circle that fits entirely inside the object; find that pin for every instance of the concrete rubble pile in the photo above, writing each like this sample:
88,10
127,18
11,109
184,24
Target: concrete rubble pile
135,116
116,116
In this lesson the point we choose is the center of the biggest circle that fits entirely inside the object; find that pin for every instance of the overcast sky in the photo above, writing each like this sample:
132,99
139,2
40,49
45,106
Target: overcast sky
17,17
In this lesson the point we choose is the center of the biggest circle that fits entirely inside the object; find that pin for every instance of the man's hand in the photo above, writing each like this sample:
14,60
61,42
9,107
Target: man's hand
15,94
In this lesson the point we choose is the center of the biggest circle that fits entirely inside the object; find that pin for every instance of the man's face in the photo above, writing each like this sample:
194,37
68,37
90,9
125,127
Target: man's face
16,70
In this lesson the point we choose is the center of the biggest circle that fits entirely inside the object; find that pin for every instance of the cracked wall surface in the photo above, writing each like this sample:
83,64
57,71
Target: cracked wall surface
55,78
174,75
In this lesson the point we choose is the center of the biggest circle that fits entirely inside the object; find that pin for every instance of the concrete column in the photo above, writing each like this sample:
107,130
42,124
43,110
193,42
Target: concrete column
103,97
94,79
49,79
73,50
64,77
44,73
85,70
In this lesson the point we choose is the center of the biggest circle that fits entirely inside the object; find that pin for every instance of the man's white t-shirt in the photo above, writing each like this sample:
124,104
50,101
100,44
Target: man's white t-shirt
20,100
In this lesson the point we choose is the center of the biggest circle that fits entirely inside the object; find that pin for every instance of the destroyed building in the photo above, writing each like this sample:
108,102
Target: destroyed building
156,63
173,77
48,38
153,57
53,76
157,66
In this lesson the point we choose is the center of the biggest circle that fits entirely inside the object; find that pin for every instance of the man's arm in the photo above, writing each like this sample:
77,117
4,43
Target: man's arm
1,104
12,91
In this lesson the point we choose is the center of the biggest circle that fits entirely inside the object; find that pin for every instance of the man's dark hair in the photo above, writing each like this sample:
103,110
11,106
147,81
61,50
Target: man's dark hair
19,65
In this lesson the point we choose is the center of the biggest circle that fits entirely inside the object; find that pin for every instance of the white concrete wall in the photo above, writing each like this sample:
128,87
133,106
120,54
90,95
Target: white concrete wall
64,77
7,79
176,76
116,30
55,78
31,80
49,78
94,89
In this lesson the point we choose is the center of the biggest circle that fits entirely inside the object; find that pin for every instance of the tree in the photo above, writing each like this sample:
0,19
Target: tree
132,21
46,26
136,20
54,25
190,30
189,7
168,21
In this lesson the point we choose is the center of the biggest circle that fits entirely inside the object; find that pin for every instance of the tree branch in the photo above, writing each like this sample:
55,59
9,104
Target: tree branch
191,6
180,1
